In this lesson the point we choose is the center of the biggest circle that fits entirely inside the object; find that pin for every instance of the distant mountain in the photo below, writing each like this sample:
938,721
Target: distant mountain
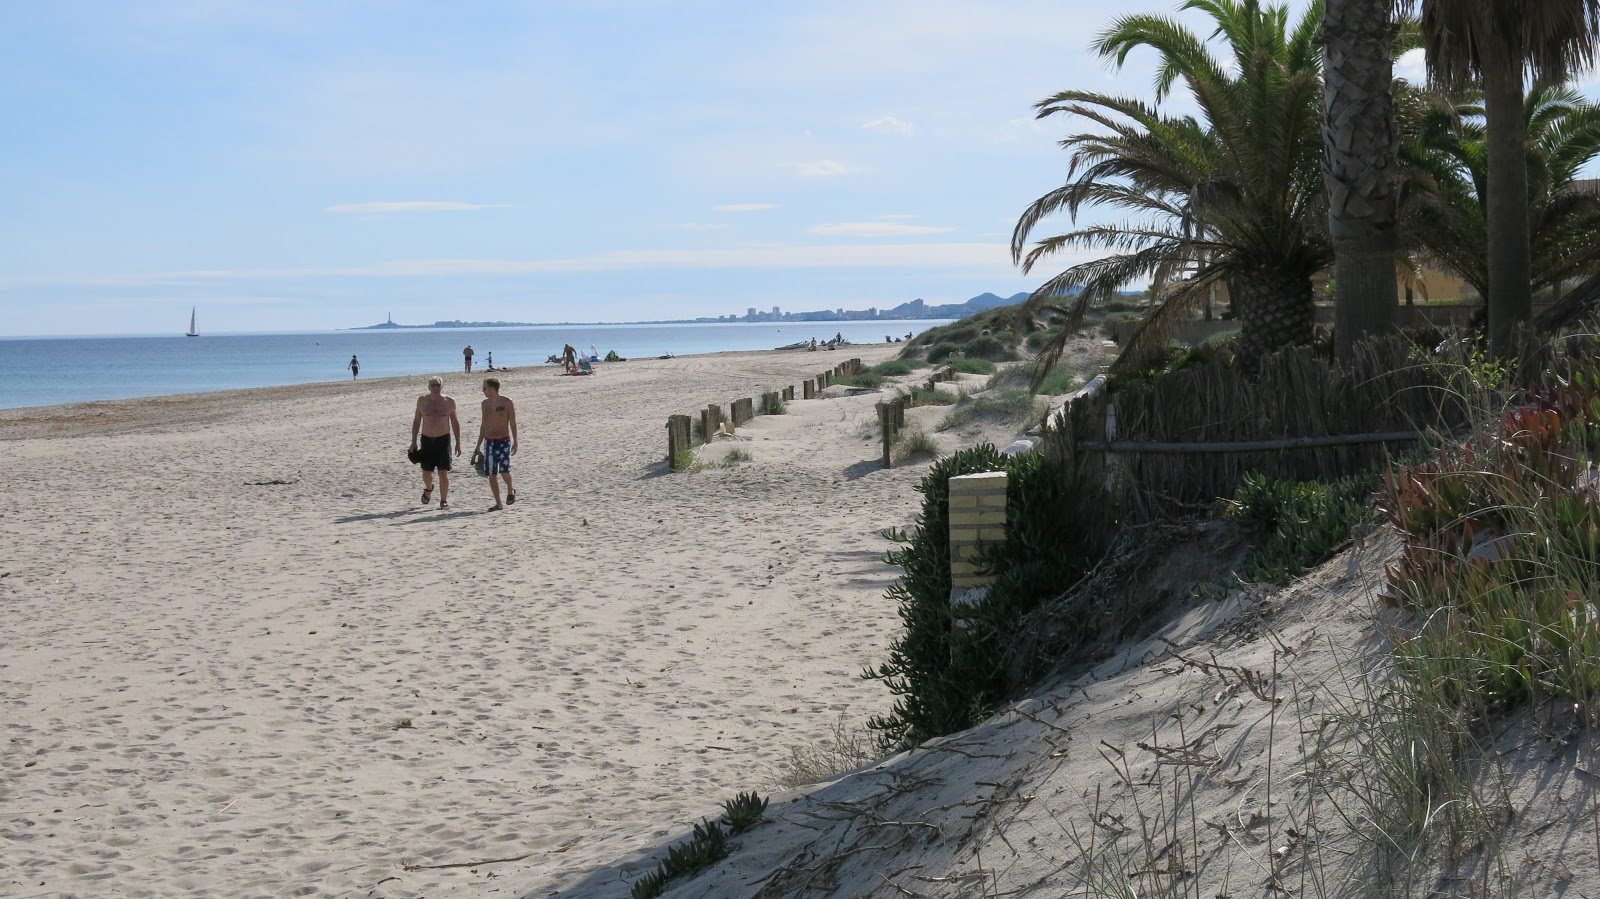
920,308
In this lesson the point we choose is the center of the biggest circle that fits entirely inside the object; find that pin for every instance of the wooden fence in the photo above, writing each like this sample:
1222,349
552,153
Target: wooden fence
1175,444
680,431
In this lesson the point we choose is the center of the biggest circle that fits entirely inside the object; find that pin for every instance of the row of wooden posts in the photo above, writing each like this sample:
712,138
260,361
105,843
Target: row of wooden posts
892,414
680,430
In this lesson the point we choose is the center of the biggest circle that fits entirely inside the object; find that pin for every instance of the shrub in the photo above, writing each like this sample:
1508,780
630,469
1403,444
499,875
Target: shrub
1300,524
1038,339
894,368
990,348
914,442
1009,406
1059,380
743,812
967,366
939,352
843,749
1502,541
923,396
736,456
946,670
1110,324
867,378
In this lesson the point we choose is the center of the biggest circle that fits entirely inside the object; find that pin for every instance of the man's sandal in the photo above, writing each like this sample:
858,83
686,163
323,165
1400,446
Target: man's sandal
427,494
511,498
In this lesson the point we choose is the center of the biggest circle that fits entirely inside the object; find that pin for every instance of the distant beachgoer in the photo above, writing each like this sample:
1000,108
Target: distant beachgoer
838,337
813,343
435,421
466,355
489,360
497,440
354,366
569,355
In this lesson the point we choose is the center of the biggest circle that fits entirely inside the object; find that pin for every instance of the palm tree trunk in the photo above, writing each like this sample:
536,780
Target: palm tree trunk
1276,308
1360,166
1510,297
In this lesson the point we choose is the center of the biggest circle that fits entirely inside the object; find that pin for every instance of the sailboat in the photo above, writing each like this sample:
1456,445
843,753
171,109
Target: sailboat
191,332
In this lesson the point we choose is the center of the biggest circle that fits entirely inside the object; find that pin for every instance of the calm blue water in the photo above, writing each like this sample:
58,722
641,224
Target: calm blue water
47,370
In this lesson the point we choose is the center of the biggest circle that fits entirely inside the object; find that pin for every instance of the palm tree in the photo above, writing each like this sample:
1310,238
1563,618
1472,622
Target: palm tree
1360,165
1233,197
1495,42
1450,216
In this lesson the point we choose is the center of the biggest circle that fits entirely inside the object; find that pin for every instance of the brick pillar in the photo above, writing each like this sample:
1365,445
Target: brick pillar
977,517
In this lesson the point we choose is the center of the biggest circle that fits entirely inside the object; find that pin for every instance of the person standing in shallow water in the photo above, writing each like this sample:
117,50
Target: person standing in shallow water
497,440
435,421
354,366
466,356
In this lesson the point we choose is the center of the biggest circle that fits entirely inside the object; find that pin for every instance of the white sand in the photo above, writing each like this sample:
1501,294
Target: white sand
216,685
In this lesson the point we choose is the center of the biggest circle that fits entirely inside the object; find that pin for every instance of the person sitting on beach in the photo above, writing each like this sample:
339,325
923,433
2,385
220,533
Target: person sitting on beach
497,440
435,421
613,357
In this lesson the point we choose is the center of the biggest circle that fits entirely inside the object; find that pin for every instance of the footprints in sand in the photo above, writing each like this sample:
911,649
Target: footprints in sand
206,702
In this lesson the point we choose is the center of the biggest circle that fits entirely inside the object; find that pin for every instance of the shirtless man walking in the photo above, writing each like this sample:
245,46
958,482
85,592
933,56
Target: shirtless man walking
435,421
497,440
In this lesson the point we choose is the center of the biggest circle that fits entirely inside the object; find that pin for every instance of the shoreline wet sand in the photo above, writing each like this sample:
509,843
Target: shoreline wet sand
241,659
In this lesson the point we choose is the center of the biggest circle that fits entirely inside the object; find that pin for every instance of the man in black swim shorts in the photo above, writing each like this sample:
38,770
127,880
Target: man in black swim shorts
435,422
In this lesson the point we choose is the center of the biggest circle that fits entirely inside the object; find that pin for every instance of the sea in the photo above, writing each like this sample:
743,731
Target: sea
40,371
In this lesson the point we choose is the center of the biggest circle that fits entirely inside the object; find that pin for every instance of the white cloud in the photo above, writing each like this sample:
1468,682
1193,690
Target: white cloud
744,207
413,206
891,125
751,256
874,229
1412,66
820,169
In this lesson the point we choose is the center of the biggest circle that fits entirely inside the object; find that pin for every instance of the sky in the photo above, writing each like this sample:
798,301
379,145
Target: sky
294,165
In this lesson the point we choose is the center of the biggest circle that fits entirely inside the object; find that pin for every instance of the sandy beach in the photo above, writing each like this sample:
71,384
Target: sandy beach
239,658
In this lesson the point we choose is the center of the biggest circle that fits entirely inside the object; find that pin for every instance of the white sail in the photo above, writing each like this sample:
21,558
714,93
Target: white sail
192,332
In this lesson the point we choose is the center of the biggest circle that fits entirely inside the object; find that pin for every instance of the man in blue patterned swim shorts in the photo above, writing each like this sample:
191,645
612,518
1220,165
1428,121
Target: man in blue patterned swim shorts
497,439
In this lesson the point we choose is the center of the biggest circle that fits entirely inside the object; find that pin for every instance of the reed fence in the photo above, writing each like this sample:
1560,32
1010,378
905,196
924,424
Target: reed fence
1173,445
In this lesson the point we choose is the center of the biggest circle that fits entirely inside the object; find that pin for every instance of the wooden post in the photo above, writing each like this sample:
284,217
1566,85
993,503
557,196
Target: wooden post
899,413
708,424
809,388
886,427
677,440
788,394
